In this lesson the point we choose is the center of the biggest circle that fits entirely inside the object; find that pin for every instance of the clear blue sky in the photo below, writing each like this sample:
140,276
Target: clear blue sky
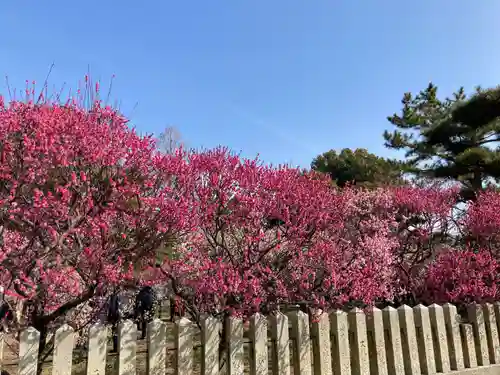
286,79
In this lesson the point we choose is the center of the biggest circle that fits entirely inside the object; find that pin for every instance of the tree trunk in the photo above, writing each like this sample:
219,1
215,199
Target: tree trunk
44,349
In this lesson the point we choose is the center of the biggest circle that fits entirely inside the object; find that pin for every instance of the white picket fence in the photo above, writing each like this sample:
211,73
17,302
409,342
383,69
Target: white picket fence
419,340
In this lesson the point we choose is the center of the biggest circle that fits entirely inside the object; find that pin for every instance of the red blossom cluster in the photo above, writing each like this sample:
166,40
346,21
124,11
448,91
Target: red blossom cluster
462,277
87,205
81,204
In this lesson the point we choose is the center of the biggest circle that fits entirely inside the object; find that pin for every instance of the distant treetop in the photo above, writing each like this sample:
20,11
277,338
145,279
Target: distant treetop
359,167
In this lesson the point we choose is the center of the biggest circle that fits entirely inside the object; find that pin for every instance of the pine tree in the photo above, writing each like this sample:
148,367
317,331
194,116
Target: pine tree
452,139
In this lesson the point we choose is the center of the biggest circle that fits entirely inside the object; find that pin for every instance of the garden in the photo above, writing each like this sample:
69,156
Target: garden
87,206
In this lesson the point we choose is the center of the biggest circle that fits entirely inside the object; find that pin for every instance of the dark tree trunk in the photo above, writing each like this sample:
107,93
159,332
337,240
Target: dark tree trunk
44,349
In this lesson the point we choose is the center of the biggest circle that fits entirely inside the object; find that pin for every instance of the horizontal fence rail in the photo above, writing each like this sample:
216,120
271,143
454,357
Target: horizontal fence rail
419,340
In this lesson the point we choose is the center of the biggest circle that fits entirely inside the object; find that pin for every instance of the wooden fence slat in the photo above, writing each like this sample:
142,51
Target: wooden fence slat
258,335
302,345
64,342
127,348
476,317
451,320
184,345
28,351
341,349
442,353
467,333
394,348
210,342
360,363
281,348
322,349
490,321
96,362
235,346
496,308
424,340
157,342
2,345
409,340
376,346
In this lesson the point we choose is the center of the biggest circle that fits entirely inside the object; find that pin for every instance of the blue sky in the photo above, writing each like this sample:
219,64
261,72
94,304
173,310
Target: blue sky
285,79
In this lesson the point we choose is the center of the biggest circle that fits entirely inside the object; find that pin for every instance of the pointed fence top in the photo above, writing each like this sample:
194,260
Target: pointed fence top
184,322
389,308
65,328
420,307
405,308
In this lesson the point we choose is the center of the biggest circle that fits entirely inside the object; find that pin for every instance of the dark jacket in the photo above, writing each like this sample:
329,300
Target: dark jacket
113,308
145,300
